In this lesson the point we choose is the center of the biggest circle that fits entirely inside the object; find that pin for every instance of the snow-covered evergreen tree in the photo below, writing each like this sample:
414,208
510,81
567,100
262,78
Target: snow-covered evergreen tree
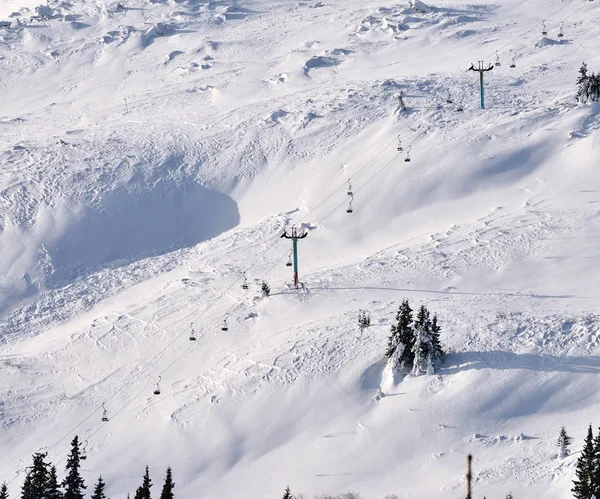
437,350
99,489
594,87
402,338
73,483
143,492
422,348
53,489
563,443
287,494
3,491
583,486
364,319
26,488
595,480
168,486
430,368
40,472
582,84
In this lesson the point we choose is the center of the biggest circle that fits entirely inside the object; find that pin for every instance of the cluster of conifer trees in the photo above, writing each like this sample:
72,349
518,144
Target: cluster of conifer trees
588,86
587,482
41,481
415,345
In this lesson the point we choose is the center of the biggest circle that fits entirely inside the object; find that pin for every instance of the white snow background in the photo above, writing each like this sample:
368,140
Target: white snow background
151,155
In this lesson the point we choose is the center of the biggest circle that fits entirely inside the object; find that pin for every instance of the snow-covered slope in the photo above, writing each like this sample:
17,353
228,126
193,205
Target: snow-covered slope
152,154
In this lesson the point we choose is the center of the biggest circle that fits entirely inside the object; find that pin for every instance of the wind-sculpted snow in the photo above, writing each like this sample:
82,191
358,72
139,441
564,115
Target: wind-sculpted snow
154,151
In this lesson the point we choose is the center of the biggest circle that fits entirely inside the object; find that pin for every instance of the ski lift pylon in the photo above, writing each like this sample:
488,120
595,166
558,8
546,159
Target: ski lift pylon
407,158
104,413
349,210
157,389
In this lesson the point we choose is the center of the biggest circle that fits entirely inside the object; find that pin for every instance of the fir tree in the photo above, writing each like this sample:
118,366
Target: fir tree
4,491
52,489
26,492
364,319
563,443
287,494
143,492
99,489
582,83
594,87
437,352
582,486
73,483
422,347
168,486
595,480
40,473
402,338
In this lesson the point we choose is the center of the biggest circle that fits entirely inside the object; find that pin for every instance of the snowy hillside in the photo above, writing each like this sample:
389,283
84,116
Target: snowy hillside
153,151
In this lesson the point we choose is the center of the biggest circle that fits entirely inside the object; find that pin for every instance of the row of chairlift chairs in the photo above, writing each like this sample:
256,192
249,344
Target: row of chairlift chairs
513,63
351,192
460,108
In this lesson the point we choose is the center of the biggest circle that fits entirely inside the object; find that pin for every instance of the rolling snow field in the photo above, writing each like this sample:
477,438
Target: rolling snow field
153,151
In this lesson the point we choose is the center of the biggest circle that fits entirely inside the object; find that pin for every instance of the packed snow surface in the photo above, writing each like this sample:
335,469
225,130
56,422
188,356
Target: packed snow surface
152,152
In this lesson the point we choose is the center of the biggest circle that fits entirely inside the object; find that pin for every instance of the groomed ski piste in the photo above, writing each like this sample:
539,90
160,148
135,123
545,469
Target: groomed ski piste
153,152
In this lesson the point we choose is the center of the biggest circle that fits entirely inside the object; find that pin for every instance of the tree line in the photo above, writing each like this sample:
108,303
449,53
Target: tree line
588,86
414,345
41,480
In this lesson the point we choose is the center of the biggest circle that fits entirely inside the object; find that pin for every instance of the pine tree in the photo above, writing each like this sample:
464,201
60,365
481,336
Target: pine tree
99,489
143,492
26,492
4,491
582,486
422,347
583,83
402,338
364,319
73,483
168,486
52,489
595,479
40,473
438,352
287,494
594,87
563,443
